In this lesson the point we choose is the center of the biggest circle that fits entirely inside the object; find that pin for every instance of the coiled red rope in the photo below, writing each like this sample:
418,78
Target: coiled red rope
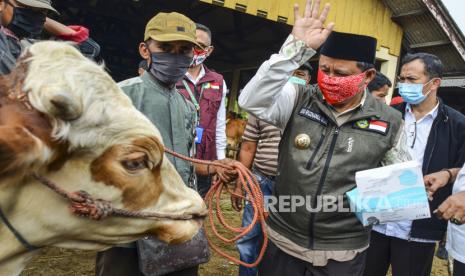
213,199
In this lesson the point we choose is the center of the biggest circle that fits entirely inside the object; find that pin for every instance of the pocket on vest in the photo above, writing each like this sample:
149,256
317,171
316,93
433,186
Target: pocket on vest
213,98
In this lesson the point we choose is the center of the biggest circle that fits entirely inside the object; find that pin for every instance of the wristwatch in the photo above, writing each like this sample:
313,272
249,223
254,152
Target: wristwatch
450,175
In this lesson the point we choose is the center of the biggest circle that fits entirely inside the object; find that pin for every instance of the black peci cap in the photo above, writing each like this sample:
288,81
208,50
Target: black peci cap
350,47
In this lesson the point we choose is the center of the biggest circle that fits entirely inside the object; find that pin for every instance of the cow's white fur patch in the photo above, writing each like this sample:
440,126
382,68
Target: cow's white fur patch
57,68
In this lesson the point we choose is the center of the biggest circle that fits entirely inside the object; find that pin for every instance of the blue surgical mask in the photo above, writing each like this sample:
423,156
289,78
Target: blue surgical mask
412,93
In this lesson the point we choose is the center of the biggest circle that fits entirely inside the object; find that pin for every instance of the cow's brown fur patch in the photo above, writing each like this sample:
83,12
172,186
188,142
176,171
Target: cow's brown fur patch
140,189
16,114
15,145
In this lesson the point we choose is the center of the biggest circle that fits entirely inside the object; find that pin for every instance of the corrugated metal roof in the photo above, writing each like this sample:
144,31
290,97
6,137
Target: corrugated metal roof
401,6
421,29
426,30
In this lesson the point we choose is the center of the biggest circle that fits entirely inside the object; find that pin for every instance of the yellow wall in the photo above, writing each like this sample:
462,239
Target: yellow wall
388,67
366,17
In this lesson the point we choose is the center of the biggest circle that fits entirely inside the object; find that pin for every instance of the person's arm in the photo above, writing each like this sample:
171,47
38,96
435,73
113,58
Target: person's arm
437,180
247,153
55,28
268,95
72,33
453,208
224,174
246,157
250,138
221,126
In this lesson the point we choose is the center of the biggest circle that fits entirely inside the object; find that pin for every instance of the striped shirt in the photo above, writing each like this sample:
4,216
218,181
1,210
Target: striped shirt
267,136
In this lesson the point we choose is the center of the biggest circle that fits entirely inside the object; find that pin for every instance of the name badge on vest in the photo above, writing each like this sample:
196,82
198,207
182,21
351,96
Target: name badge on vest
198,135
215,86
317,117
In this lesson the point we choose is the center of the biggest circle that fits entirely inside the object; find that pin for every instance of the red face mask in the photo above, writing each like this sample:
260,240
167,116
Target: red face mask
338,89
199,57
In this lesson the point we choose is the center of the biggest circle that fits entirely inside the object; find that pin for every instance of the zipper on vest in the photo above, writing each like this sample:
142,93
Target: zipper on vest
320,185
318,146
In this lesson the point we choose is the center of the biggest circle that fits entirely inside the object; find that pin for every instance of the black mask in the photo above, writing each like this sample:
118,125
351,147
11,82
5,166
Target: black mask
169,68
27,22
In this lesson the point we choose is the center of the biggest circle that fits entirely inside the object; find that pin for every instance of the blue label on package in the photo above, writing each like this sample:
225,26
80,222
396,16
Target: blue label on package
198,135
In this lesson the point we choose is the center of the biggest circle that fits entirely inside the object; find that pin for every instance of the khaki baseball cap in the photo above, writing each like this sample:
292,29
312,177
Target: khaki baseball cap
171,27
40,4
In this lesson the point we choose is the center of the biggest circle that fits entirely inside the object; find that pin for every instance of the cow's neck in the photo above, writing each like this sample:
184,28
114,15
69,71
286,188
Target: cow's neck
14,265
13,254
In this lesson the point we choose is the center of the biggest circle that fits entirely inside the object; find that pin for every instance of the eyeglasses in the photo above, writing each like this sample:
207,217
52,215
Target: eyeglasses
412,134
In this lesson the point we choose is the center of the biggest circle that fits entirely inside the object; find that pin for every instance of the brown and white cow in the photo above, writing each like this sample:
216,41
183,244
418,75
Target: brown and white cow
235,127
63,117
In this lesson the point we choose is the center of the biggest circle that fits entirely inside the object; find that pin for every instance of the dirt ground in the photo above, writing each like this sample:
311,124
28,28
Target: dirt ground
60,262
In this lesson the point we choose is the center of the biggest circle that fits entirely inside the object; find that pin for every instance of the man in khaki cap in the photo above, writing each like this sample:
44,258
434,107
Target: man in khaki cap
21,24
168,48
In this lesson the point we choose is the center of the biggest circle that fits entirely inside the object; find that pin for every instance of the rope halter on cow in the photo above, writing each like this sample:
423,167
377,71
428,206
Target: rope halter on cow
83,205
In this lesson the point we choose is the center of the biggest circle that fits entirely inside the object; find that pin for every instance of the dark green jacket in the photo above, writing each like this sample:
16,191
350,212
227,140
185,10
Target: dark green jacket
328,166
170,113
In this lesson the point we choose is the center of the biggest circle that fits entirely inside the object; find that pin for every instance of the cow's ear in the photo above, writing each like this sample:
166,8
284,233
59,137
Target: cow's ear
65,107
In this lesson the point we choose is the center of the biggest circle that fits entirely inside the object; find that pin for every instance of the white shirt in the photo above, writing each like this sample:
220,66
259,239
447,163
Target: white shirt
220,116
456,233
417,138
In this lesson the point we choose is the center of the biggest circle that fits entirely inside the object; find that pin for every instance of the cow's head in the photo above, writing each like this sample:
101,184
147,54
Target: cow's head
83,133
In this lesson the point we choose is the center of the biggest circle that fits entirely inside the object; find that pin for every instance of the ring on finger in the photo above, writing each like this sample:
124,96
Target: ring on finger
456,221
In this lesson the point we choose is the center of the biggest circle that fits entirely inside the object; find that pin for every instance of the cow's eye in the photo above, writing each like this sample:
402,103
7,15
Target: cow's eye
134,164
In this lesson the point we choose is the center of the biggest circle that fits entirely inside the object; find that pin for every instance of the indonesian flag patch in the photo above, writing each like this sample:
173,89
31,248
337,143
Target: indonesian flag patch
377,126
215,85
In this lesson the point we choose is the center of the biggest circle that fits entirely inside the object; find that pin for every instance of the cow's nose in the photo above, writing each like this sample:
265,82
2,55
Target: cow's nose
183,200
198,202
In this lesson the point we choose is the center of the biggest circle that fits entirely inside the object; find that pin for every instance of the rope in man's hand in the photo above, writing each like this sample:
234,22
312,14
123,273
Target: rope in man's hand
213,200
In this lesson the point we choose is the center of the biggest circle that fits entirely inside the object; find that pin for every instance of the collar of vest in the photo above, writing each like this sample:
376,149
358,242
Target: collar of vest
210,76
367,110
148,78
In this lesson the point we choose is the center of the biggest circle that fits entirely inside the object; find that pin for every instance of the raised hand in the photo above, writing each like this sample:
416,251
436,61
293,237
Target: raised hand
310,28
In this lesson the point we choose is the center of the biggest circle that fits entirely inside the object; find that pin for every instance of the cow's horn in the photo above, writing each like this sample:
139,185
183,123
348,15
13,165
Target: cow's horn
65,108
